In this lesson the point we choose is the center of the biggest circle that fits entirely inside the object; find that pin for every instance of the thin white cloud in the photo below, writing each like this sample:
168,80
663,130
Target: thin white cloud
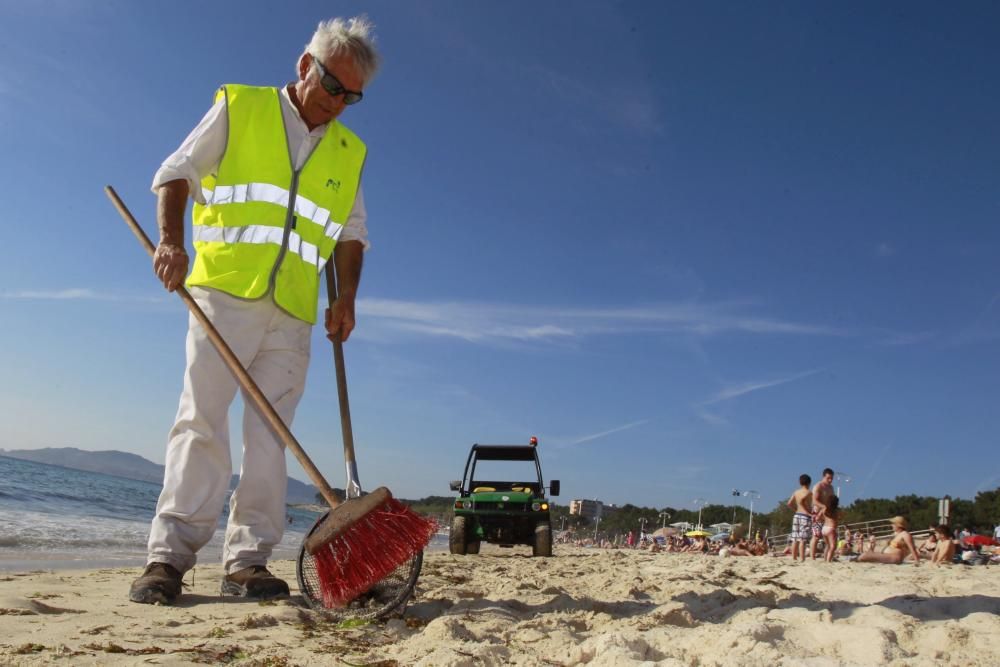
74,294
875,467
884,250
735,391
491,323
711,417
989,483
688,471
915,338
617,429
984,329
495,323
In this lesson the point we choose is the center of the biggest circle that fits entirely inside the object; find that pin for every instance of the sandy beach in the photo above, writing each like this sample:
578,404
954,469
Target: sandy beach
502,607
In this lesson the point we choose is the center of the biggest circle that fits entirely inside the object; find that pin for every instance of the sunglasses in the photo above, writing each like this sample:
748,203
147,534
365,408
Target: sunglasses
332,85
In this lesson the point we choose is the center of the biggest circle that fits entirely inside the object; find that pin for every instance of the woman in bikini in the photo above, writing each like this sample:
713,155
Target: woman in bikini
829,517
945,550
929,546
895,552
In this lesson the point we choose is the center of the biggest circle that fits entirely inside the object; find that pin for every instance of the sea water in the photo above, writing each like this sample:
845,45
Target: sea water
59,517
54,517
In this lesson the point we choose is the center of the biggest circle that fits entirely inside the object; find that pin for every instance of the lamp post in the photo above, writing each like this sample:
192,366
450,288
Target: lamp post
664,516
642,526
597,524
752,495
841,478
700,502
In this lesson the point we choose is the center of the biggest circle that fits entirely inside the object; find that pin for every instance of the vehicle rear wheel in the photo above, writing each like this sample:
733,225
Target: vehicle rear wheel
456,539
472,547
543,540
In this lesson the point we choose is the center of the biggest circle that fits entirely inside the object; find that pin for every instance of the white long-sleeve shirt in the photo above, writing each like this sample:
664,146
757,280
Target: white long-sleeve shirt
202,151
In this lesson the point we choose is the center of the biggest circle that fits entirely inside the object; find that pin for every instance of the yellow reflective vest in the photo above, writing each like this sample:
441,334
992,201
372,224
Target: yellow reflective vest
266,228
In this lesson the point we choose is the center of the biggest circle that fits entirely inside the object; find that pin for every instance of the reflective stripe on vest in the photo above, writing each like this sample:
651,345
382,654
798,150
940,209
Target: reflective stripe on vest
264,228
308,252
272,194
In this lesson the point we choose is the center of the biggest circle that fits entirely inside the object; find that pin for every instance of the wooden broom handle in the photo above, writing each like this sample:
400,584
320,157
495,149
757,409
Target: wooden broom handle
257,397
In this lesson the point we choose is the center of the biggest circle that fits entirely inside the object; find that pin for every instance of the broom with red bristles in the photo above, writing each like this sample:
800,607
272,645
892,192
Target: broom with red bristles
362,539
351,550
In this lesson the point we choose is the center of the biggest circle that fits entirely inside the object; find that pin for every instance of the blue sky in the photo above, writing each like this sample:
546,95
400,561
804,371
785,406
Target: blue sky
691,247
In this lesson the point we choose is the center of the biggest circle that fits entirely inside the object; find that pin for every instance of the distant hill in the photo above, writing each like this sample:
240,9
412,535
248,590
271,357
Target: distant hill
129,466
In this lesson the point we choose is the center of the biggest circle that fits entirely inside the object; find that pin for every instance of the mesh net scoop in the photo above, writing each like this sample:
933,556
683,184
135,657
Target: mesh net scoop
388,596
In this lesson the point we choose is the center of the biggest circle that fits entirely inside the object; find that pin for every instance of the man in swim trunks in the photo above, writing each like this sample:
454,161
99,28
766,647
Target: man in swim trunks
821,495
801,502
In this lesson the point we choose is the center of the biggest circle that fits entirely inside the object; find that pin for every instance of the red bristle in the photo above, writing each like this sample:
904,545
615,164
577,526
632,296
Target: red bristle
369,551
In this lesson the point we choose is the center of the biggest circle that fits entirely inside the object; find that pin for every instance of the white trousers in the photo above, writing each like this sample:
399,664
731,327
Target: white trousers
274,347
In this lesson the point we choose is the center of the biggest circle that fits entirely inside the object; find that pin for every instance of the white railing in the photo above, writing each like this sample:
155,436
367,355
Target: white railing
881,529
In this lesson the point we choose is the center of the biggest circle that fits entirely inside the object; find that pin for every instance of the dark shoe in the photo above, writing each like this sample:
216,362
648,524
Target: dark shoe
254,582
159,584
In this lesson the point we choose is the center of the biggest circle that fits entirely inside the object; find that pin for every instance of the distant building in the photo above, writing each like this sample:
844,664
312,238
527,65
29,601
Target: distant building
588,509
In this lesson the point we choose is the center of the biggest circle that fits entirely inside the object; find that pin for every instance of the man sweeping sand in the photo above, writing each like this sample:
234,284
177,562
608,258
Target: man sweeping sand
276,181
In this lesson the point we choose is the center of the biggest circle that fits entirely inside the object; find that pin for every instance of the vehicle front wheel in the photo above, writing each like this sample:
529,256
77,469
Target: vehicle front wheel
543,540
456,539
472,547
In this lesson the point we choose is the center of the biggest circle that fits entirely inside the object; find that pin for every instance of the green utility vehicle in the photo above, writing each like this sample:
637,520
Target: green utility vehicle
502,500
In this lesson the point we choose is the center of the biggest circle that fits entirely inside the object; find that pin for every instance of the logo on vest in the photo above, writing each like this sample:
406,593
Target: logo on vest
330,183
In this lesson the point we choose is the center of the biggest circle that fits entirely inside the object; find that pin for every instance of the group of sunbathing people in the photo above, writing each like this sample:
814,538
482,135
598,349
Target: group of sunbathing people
699,544
816,515
684,544
681,544
815,522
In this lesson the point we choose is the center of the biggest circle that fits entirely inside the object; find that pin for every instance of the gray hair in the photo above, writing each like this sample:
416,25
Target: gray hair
352,36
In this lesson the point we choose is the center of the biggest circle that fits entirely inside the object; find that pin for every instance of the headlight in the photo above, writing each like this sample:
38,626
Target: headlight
545,506
535,507
467,504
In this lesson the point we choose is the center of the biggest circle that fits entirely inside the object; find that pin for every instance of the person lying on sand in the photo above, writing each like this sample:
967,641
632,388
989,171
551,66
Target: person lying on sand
846,544
944,552
741,548
697,545
899,545
929,545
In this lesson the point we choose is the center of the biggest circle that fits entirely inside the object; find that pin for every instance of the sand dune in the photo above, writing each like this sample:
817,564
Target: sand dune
505,608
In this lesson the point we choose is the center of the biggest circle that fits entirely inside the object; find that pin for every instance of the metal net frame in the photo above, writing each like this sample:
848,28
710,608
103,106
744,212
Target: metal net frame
389,595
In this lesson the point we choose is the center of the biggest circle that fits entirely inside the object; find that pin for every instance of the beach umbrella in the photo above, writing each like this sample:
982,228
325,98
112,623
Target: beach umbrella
664,532
719,537
697,533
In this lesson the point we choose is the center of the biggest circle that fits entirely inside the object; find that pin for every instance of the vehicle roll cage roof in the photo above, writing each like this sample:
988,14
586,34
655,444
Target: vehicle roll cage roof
501,453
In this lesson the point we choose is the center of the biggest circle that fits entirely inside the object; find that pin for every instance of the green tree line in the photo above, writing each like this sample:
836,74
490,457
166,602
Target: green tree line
979,514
